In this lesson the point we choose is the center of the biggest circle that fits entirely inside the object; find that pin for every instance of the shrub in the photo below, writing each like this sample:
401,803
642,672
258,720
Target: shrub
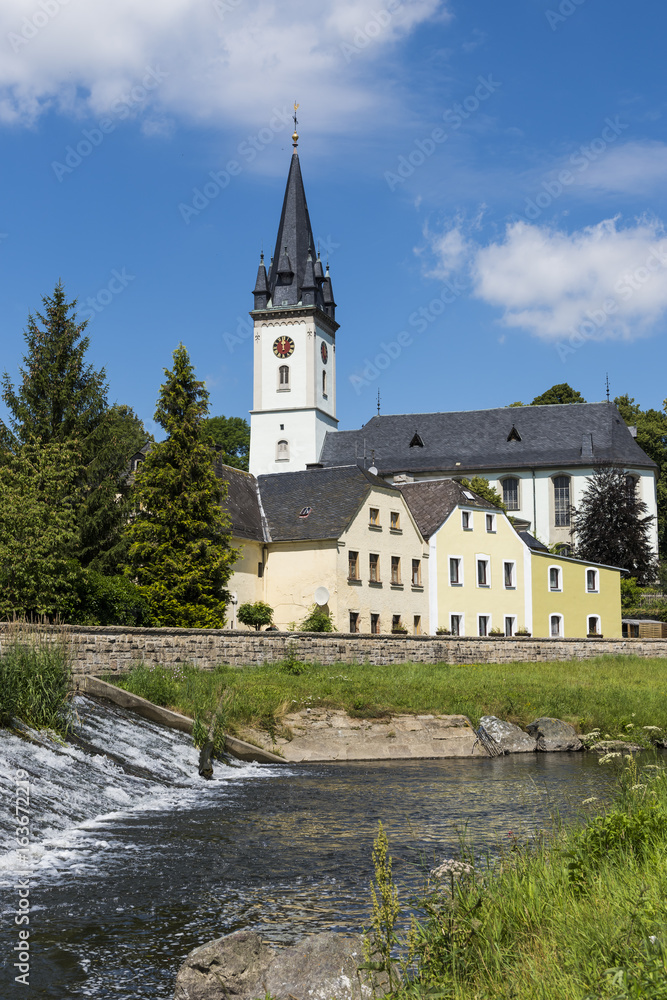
35,684
110,600
255,615
317,620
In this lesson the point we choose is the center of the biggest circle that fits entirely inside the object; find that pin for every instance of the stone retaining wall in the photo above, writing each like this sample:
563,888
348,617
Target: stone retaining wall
97,650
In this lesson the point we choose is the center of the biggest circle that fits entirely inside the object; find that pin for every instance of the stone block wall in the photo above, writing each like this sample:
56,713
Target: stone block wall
100,650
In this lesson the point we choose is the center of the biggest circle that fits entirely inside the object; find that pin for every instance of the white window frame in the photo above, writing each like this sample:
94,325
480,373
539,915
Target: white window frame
469,526
486,559
490,519
517,480
418,581
598,629
324,385
489,625
559,588
512,563
591,569
282,455
287,385
459,559
462,622
567,513
561,625
511,618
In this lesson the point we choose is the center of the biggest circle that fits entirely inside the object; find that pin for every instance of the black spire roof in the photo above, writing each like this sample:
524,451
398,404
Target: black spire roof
295,277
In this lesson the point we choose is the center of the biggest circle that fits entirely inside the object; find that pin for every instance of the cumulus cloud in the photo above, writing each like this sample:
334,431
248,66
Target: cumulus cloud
602,282
221,58
633,168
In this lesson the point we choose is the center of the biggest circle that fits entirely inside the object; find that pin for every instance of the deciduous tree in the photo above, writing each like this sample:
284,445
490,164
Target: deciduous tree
180,538
232,434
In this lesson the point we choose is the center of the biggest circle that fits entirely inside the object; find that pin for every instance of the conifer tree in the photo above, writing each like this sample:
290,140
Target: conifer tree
612,525
180,538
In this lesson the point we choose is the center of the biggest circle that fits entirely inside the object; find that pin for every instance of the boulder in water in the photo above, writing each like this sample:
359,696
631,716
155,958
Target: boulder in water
553,734
243,967
206,760
507,737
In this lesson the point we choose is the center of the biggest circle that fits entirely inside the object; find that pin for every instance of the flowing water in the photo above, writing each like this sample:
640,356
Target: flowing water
136,860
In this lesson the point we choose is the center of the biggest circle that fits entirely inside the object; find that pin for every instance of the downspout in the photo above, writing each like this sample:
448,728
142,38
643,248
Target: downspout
534,506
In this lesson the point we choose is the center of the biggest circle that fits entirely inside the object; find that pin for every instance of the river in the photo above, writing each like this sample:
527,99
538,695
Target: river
135,861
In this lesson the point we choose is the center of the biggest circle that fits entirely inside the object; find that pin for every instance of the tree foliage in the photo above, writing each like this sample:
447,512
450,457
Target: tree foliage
232,435
39,538
255,615
612,525
317,620
179,547
562,393
483,489
652,438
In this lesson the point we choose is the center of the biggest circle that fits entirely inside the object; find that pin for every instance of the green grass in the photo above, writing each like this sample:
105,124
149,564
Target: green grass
609,693
35,683
578,916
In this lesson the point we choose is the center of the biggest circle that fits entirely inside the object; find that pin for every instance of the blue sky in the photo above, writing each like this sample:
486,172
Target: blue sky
487,181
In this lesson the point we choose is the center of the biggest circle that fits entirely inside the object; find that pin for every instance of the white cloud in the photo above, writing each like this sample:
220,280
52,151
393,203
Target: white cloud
633,168
603,281
451,249
230,59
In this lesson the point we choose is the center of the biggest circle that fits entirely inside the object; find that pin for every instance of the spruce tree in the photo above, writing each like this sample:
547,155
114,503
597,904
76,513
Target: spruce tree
179,548
612,525
63,399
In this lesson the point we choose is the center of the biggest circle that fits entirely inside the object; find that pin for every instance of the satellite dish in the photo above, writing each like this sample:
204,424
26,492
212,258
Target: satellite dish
373,471
321,596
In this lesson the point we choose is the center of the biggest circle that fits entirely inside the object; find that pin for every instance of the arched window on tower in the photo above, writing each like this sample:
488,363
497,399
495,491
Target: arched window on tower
282,451
324,383
283,378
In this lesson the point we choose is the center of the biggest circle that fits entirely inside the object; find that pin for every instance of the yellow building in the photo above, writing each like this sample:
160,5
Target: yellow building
338,532
486,578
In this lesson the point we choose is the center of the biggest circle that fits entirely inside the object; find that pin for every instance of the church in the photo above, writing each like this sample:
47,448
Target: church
354,515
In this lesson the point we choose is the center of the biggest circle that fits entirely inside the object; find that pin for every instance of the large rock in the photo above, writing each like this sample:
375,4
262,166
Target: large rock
506,736
241,966
553,734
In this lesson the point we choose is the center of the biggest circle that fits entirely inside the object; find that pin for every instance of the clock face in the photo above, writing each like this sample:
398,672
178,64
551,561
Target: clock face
324,352
283,347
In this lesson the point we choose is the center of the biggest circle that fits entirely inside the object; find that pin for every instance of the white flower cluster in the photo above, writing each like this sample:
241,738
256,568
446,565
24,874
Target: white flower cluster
450,867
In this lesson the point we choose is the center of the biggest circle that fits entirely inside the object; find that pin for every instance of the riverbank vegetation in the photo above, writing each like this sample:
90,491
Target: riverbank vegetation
615,694
35,681
579,914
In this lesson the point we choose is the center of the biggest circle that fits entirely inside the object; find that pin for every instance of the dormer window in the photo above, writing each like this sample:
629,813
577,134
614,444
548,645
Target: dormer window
514,434
416,441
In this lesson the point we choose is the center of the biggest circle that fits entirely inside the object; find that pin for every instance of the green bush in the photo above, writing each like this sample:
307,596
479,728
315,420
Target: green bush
255,615
318,620
110,600
35,684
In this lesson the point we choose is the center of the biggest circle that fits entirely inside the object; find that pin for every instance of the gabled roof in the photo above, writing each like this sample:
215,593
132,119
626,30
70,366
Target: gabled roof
532,542
333,496
242,503
570,434
432,502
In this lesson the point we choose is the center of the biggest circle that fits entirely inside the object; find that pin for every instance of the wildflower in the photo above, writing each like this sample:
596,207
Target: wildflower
451,868
587,802
608,756
652,729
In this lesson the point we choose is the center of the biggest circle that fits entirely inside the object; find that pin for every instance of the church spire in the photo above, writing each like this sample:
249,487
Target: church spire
294,278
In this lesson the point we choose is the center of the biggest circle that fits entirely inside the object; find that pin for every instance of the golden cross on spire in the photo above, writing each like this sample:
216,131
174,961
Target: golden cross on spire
295,136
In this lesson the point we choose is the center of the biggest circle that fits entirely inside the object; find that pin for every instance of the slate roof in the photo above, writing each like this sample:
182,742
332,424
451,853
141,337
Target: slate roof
571,434
334,496
432,502
532,542
242,502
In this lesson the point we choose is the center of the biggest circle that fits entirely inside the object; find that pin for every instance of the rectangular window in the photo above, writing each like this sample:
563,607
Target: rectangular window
455,572
554,626
562,501
593,625
455,624
508,575
482,573
482,624
353,565
417,625
554,578
260,569
395,521
374,517
395,569
375,624
374,568
509,624
511,493
324,384
490,522
466,520
396,622
416,573
592,581
354,621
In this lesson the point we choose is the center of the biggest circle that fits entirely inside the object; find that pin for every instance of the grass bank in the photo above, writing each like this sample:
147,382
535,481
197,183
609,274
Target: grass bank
578,916
611,693
35,683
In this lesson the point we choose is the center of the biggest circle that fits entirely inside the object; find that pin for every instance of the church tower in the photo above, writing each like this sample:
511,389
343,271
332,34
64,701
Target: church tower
294,395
